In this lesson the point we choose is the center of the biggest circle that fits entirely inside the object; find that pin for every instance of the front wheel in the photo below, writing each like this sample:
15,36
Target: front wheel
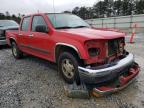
16,51
68,67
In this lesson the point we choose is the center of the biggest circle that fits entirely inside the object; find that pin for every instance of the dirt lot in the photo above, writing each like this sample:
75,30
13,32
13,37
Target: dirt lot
35,83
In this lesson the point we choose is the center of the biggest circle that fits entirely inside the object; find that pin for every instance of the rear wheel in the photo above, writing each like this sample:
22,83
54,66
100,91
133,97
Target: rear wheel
15,51
68,67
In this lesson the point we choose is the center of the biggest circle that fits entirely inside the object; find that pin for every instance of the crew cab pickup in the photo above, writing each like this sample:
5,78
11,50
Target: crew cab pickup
83,54
6,25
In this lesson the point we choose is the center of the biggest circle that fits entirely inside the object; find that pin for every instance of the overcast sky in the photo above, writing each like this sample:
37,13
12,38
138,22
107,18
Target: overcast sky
32,6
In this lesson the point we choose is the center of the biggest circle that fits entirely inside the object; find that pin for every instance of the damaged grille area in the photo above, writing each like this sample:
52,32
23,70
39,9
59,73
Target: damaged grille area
114,46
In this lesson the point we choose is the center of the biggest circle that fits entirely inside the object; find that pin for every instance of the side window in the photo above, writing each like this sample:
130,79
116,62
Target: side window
25,24
37,20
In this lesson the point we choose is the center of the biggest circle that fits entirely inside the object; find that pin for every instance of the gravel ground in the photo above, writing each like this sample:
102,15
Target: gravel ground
35,83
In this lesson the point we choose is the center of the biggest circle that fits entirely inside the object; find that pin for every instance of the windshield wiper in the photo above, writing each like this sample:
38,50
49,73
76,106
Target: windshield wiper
66,27
80,27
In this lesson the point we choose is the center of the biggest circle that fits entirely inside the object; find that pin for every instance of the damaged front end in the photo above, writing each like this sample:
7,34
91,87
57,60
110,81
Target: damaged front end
118,84
112,75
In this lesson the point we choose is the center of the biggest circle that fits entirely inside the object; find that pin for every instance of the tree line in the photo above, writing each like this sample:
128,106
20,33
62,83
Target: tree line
7,16
110,8
100,9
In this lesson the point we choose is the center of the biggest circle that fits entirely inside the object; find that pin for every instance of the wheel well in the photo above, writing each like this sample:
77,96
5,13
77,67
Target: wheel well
62,48
12,40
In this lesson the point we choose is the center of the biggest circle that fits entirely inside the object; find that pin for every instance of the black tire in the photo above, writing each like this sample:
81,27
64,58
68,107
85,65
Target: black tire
15,51
73,61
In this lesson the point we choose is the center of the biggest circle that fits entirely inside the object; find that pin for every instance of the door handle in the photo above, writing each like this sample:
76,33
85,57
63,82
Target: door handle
20,34
31,35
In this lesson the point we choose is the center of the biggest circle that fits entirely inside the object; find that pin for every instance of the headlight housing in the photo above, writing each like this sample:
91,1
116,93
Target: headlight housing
95,48
93,52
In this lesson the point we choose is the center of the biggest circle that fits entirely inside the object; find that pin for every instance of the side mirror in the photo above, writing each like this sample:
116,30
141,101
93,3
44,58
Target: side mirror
41,28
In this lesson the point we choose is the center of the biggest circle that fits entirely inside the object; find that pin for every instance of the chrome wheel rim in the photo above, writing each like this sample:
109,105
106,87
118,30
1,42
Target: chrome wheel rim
14,50
68,68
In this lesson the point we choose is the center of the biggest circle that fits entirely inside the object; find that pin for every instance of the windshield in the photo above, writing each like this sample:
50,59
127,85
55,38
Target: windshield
7,23
61,21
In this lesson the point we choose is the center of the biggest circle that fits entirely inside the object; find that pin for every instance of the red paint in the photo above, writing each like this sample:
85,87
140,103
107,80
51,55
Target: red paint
78,37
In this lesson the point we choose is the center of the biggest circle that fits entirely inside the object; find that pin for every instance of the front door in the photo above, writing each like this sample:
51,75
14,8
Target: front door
40,42
24,32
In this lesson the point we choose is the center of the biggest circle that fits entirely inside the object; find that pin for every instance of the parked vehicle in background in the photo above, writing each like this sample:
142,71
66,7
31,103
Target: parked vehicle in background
81,52
6,25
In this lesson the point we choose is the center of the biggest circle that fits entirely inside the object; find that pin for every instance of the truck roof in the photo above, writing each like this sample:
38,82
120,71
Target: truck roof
44,14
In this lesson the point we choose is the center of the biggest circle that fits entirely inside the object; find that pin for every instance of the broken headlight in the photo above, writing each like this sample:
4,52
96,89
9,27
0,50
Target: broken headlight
93,52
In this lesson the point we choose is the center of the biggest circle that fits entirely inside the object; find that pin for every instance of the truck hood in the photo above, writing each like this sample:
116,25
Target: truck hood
89,33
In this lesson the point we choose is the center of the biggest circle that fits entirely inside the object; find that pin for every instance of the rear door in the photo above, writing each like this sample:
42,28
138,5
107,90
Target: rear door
40,42
24,32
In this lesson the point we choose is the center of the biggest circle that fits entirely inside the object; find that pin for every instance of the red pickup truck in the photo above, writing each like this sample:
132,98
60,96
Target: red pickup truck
81,52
